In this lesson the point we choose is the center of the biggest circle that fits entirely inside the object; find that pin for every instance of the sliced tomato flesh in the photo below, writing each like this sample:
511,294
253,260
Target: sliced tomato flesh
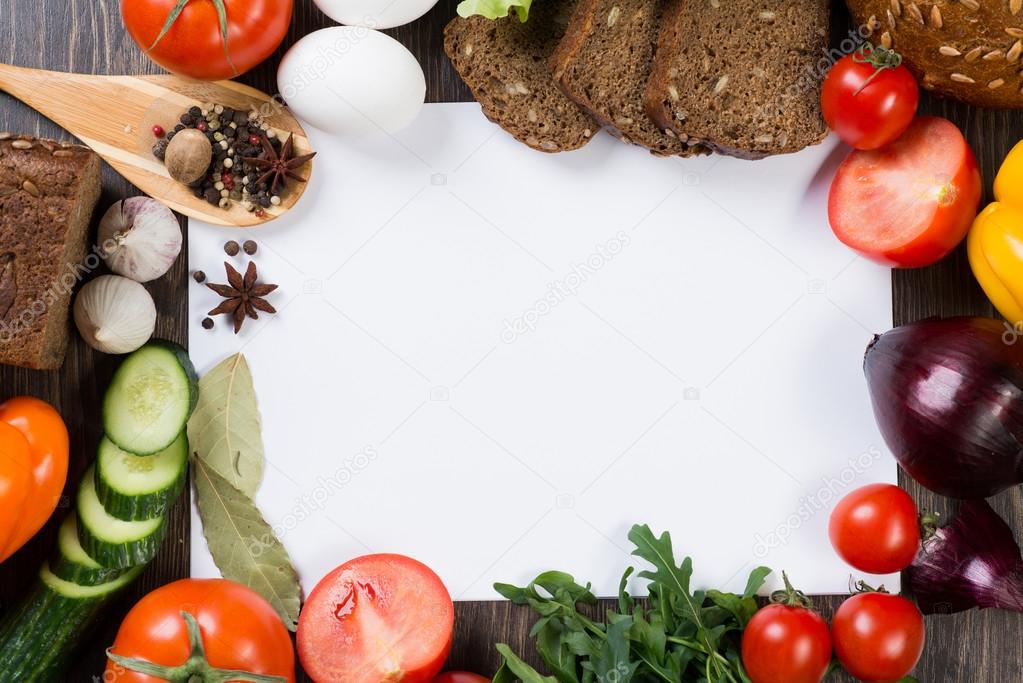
908,194
378,618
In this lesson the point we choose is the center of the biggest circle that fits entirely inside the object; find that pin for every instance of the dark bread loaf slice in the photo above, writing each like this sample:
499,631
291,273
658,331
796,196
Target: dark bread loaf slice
741,76
48,191
504,63
603,63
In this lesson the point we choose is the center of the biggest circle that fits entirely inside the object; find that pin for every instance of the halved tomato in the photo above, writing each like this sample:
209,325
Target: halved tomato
909,203
376,618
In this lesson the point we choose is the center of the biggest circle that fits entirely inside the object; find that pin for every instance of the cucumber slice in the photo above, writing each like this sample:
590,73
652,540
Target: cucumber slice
150,398
110,541
73,564
139,487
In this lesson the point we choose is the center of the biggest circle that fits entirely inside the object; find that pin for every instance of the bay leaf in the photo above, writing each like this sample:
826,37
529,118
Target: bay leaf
224,430
243,545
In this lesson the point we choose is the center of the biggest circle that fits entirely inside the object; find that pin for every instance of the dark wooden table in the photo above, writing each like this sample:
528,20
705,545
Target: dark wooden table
87,36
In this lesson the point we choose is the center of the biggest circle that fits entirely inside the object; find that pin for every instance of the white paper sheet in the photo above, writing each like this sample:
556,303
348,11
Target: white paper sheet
497,361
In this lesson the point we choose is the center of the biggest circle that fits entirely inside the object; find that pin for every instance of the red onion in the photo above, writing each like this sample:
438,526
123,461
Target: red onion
972,562
948,398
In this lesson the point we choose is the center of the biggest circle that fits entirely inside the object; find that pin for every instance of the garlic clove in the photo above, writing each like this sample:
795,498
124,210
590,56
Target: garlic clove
114,314
139,238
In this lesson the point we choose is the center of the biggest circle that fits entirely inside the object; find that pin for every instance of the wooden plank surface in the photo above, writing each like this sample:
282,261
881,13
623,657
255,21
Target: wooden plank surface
87,36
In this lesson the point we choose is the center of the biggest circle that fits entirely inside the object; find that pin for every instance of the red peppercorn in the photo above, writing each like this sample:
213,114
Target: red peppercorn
158,131
202,126
261,213
253,139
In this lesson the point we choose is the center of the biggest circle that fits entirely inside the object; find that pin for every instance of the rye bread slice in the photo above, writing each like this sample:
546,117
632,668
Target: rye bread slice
741,76
504,63
603,64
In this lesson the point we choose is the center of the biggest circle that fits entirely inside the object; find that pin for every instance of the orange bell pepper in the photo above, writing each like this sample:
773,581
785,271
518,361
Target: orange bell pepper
33,469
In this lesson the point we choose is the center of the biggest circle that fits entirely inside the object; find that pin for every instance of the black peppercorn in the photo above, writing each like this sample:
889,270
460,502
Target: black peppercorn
231,248
187,120
199,276
212,196
207,323
250,247
195,112
160,149
264,202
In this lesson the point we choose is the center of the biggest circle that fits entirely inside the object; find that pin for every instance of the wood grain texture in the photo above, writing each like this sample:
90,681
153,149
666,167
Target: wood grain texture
115,116
86,36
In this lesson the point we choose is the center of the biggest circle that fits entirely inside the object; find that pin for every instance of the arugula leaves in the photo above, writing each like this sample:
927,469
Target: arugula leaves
677,636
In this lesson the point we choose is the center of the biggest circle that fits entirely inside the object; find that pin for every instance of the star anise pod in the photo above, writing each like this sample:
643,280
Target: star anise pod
277,168
242,296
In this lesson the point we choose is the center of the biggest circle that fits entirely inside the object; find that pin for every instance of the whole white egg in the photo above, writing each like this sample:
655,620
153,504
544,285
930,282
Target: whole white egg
375,13
352,80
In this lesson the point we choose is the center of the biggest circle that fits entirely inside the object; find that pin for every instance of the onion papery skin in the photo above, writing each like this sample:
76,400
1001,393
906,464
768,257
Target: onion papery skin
948,399
972,562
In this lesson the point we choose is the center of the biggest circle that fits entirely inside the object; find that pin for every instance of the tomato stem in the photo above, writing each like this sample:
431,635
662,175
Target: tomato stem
879,57
221,19
790,596
196,669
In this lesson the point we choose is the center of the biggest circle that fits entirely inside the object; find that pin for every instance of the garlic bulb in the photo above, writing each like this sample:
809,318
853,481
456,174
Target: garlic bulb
115,314
139,238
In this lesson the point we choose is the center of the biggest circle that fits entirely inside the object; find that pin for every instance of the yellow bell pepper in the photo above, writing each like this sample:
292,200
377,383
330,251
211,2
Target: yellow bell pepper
995,242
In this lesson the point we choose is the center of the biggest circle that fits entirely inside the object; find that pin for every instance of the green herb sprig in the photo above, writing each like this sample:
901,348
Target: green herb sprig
677,636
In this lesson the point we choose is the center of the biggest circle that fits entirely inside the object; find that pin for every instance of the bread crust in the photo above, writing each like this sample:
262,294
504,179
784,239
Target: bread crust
505,64
969,50
48,191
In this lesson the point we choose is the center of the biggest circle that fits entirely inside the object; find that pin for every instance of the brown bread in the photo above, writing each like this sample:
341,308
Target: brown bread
504,63
969,49
48,191
603,63
741,76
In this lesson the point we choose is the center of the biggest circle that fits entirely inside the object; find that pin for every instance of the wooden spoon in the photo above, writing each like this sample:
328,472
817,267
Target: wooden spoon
114,115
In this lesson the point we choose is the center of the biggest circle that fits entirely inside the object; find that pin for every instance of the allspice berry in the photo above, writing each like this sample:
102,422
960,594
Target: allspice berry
188,156
231,248
250,247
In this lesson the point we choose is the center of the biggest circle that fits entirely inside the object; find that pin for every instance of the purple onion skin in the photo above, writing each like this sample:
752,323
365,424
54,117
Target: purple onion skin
948,399
972,562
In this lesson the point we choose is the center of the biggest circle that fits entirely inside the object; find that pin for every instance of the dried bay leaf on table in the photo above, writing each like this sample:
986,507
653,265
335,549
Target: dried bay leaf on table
243,545
224,430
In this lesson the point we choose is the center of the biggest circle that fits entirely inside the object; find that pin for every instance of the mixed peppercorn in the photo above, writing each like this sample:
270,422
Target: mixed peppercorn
250,163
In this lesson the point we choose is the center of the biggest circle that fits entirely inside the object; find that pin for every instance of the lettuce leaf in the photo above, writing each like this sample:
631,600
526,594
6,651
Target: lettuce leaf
494,9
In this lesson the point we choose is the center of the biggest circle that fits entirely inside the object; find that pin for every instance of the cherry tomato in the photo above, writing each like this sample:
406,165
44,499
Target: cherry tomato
868,98
194,44
878,637
43,429
875,529
376,618
909,203
239,631
460,677
787,643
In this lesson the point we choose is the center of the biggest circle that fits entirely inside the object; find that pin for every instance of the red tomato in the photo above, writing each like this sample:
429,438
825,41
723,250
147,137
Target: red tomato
376,618
869,98
194,44
909,203
878,637
876,529
240,631
47,437
460,677
15,479
786,644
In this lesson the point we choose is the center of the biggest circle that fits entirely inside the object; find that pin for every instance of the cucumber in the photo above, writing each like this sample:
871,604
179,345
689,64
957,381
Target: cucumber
150,398
140,487
38,636
72,563
110,541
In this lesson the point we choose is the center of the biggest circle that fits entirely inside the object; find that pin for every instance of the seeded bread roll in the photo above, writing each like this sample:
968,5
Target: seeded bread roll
48,191
504,63
741,76
603,64
966,49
